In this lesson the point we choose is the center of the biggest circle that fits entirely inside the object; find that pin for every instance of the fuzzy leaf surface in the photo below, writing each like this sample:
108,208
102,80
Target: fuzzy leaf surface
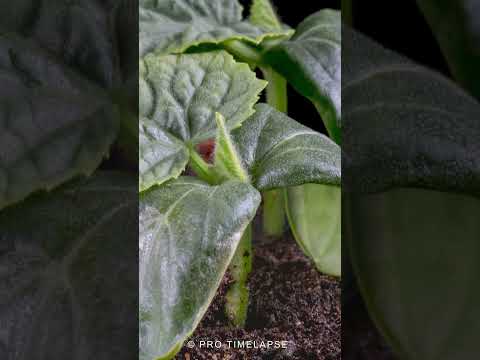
66,272
172,26
263,15
189,232
311,62
406,125
279,152
179,96
54,125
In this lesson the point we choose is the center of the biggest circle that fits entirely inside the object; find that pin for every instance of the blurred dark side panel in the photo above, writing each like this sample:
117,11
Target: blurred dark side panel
410,180
68,180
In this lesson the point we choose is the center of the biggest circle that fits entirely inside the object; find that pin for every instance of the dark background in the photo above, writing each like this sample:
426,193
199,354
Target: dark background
400,26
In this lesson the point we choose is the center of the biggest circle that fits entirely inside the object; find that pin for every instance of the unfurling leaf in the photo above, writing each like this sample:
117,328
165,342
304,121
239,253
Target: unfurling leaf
263,15
179,96
189,232
228,164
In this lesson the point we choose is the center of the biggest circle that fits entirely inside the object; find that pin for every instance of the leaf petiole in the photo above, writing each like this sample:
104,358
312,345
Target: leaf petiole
274,218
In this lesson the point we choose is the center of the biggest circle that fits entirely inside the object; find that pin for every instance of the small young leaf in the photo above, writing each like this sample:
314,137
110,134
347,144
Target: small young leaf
54,124
263,15
189,232
279,152
456,25
172,26
68,264
179,96
228,164
314,214
311,62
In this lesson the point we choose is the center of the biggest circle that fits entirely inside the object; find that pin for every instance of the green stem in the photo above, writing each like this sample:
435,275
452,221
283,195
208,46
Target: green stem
243,51
201,168
274,219
236,305
276,89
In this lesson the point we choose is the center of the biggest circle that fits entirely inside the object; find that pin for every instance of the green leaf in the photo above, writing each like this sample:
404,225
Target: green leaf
263,15
279,152
189,232
456,26
172,26
179,96
415,254
311,62
79,33
314,214
162,156
406,125
54,125
66,272
228,164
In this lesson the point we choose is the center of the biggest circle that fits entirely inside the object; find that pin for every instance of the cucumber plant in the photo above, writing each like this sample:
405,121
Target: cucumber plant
198,95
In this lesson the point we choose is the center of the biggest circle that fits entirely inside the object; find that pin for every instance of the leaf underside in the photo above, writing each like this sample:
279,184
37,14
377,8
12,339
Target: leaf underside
314,214
189,232
179,96
311,62
172,26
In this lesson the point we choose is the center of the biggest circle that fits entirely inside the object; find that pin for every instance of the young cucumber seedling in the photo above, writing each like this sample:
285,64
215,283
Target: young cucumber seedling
208,153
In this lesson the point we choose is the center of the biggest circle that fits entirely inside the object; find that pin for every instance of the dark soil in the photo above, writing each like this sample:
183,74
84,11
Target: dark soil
289,301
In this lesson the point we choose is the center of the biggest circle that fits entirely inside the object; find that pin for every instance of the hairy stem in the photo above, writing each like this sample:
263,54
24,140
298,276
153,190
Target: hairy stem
274,219
236,305
243,51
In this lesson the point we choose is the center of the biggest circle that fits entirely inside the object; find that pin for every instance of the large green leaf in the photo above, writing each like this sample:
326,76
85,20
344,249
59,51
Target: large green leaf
456,25
279,152
414,251
405,125
179,96
54,125
311,62
68,272
189,232
172,26
314,213
78,32
416,257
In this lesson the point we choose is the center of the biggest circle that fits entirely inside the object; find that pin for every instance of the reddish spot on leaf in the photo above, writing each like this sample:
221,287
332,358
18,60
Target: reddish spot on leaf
206,150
